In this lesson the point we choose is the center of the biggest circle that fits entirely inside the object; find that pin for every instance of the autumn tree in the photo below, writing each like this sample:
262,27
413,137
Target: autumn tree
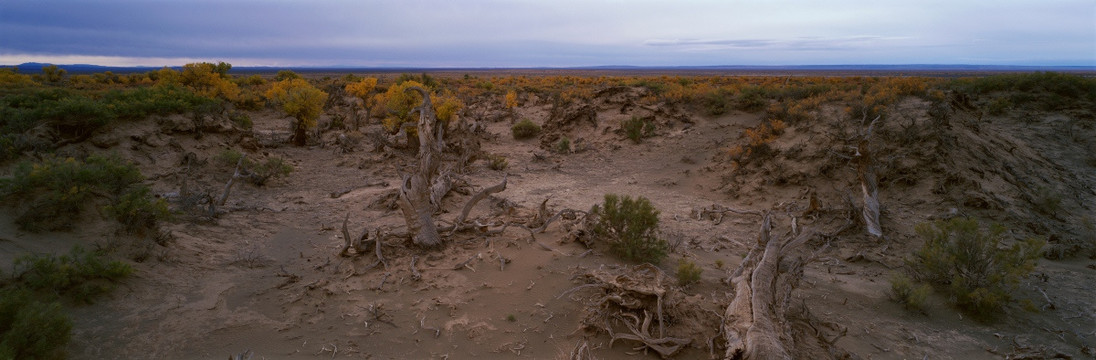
300,100
398,102
286,75
210,80
363,90
53,74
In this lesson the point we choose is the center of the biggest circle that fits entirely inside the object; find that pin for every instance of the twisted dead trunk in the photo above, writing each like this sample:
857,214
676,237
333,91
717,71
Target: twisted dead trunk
416,189
755,325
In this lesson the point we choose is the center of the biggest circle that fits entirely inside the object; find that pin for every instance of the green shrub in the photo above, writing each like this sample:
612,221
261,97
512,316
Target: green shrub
630,227
75,114
563,146
967,261
241,119
33,324
687,272
637,128
272,167
138,211
497,162
30,328
752,99
1047,201
79,276
998,106
717,102
56,189
1045,90
910,294
525,129
229,157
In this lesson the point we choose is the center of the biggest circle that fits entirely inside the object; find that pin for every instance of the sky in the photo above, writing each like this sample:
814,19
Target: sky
549,33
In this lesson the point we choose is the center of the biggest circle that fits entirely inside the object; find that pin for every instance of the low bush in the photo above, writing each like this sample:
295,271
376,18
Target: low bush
33,324
910,294
497,162
138,211
968,262
752,99
637,128
77,114
241,119
563,146
272,167
57,189
998,106
717,102
630,227
1046,201
688,272
30,328
525,129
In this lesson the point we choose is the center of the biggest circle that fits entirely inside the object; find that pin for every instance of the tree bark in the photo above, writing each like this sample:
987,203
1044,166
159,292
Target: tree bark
868,183
416,190
754,323
300,134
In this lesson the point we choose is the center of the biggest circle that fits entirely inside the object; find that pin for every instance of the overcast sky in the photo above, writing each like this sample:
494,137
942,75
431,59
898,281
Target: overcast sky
450,33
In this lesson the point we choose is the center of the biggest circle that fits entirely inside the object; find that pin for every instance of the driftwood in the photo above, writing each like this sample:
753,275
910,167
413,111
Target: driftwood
754,324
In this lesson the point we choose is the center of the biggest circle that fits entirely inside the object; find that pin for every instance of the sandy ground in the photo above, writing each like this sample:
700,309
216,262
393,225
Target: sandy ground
265,275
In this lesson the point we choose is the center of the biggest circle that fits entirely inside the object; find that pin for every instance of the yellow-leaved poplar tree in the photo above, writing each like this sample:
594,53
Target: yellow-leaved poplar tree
399,102
299,99
210,80
363,90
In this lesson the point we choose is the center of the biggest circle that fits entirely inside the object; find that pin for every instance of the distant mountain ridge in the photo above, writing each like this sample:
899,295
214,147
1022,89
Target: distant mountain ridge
35,68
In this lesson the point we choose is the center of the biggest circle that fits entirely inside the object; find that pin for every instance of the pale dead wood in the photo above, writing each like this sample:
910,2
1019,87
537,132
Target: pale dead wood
350,242
581,351
464,264
246,355
664,346
476,199
416,189
868,186
755,324
231,181
422,324
721,211
415,275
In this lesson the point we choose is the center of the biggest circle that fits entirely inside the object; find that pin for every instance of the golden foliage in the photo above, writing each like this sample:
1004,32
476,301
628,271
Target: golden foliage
511,99
446,106
12,77
210,80
398,103
298,99
362,89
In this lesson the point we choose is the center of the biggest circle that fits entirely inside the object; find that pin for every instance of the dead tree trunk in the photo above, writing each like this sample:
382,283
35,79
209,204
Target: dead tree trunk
868,184
755,325
416,189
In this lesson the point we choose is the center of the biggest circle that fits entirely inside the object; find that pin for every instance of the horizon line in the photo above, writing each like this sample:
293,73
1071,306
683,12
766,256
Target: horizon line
910,66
